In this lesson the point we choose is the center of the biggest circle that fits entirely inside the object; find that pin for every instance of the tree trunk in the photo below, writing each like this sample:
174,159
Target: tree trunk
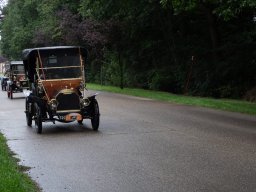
212,30
121,71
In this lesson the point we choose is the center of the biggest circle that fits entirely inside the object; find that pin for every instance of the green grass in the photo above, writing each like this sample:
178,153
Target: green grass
12,178
221,104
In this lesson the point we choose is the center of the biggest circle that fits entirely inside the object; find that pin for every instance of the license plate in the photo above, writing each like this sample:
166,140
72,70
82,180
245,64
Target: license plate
73,117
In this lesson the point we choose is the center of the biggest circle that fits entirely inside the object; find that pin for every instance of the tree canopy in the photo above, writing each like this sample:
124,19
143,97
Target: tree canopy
198,47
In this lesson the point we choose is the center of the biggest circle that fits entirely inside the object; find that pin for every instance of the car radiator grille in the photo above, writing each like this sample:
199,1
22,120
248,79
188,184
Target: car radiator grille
69,101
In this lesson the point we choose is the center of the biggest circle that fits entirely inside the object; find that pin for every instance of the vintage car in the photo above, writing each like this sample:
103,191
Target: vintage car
57,92
4,82
17,81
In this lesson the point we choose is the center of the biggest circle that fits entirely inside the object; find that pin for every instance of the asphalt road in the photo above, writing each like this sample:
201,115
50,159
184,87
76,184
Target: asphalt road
142,146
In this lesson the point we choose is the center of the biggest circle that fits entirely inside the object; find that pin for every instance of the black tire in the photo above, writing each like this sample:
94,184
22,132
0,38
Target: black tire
11,93
38,119
8,93
95,120
28,114
3,87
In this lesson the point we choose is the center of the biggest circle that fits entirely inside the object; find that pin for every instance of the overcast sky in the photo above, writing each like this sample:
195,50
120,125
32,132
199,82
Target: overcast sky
3,2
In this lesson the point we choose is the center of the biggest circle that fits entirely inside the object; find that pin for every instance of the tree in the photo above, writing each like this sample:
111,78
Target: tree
146,43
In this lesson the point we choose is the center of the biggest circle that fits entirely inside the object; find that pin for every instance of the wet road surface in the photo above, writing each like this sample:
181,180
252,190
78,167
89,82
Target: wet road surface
141,146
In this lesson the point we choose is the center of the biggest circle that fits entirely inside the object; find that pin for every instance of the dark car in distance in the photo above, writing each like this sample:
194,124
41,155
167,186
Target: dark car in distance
4,80
17,80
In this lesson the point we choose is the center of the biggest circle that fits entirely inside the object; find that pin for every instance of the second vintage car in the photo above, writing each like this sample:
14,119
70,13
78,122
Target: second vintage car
57,92
17,81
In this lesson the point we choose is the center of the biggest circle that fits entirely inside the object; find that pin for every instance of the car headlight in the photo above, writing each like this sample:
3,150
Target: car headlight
84,102
53,104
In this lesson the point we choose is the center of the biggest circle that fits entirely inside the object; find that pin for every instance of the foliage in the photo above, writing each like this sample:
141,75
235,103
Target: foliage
146,43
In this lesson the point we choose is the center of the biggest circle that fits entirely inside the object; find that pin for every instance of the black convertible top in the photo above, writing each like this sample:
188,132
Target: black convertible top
27,53
29,56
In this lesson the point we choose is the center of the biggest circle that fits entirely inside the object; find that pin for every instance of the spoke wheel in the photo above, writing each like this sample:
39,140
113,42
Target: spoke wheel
95,120
38,119
28,114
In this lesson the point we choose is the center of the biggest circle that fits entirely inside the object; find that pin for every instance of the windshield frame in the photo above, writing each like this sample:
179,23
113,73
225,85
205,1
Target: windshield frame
61,65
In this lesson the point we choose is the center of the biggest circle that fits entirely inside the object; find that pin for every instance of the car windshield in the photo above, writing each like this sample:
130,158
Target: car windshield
59,65
17,69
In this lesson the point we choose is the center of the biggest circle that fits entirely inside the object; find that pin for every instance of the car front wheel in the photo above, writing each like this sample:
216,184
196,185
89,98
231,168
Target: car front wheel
8,92
11,93
95,120
38,119
28,113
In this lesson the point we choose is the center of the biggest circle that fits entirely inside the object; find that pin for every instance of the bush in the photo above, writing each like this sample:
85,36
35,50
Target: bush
251,95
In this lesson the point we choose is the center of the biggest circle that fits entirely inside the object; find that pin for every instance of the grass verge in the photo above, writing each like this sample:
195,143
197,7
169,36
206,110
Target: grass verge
222,104
12,179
